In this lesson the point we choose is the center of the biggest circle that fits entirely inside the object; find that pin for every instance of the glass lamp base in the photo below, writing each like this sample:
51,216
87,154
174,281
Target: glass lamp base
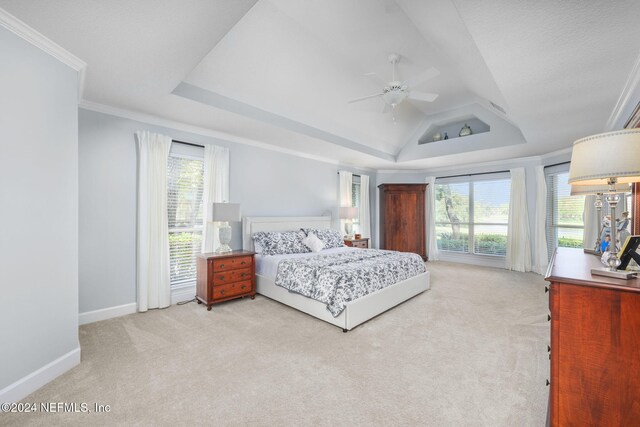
224,234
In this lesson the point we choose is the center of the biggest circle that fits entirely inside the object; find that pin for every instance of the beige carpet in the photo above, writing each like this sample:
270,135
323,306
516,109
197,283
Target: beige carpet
469,352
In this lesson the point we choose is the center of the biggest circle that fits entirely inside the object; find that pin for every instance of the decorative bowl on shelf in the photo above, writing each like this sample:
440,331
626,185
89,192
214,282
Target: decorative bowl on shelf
465,131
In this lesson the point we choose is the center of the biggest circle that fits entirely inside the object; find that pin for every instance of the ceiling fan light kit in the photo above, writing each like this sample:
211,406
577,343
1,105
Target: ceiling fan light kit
396,91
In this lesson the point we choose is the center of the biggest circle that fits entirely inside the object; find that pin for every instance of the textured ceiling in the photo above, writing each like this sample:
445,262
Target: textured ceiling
280,71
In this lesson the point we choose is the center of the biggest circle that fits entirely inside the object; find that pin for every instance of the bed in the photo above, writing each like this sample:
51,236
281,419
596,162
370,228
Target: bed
355,312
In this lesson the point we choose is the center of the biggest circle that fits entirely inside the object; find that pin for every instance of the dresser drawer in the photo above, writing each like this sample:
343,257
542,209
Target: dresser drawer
220,278
231,289
232,263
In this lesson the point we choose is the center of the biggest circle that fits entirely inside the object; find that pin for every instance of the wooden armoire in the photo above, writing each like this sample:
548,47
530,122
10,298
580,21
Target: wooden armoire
403,218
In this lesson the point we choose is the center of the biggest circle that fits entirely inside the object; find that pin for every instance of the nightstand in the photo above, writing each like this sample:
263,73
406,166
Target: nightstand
221,277
357,243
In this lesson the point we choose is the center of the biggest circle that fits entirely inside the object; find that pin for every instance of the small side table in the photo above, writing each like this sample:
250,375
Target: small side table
357,243
221,277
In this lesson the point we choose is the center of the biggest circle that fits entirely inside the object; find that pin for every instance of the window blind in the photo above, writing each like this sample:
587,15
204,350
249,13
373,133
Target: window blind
565,221
184,203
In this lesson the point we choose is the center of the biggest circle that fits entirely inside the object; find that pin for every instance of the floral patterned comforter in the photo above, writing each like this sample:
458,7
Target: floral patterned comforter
339,278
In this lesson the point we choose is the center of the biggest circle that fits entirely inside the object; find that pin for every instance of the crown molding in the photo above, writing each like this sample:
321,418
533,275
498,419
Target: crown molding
32,36
172,124
627,101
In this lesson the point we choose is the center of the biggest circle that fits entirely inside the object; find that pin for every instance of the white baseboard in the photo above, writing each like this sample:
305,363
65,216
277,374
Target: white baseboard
106,313
185,293
27,385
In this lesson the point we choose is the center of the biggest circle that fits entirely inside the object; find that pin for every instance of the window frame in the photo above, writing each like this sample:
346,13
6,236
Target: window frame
184,151
471,224
551,224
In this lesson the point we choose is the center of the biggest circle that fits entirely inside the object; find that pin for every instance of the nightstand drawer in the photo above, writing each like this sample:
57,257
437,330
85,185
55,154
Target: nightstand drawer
231,289
232,263
220,278
362,244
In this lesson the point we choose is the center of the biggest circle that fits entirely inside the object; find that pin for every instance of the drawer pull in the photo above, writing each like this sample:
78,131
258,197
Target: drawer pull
549,348
548,382
243,274
548,318
221,277
243,286
243,263
221,265
222,292
546,289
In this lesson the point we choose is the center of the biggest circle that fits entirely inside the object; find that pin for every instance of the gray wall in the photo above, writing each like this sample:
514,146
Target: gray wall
39,209
264,182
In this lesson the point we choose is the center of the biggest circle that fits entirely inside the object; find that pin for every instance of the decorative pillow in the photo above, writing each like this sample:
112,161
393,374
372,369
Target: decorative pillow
313,243
331,238
280,242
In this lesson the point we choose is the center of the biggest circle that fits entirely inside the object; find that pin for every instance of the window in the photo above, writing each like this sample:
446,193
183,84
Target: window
355,201
185,185
472,217
564,213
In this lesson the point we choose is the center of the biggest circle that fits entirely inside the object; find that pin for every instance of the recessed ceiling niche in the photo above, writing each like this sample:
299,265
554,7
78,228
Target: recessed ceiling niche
452,129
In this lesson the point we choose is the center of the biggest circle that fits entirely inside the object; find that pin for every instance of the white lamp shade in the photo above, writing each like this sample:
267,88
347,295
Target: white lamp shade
587,190
347,212
225,212
597,158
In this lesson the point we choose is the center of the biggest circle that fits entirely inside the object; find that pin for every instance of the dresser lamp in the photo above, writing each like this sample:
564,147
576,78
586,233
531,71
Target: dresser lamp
607,159
598,191
225,213
348,214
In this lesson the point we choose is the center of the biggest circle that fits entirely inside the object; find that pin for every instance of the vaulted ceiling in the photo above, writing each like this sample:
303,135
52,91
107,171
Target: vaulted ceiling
281,71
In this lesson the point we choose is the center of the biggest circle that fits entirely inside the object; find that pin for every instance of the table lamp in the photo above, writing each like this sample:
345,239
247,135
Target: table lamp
598,191
225,213
348,214
607,159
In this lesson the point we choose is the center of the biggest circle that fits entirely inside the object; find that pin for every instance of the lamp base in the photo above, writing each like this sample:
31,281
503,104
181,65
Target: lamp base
592,252
223,249
618,274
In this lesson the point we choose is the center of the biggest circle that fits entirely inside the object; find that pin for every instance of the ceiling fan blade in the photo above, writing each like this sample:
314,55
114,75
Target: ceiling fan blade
422,77
423,96
364,97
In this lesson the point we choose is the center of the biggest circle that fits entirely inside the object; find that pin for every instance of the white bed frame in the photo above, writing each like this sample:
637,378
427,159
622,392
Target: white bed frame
355,312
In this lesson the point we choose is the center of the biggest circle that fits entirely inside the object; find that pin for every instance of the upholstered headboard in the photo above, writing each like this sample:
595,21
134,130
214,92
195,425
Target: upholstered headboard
253,224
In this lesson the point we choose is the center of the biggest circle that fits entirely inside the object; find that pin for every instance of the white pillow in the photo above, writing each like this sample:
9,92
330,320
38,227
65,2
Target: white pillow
313,243
257,247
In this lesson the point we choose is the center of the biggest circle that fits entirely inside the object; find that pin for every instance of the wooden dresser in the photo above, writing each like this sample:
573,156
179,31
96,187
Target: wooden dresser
357,243
221,277
402,218
595,344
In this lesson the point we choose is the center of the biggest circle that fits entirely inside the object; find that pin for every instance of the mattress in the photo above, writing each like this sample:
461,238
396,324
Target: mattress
267,265
337,277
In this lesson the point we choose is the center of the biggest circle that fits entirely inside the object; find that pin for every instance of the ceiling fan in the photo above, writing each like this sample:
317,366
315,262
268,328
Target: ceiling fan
397,91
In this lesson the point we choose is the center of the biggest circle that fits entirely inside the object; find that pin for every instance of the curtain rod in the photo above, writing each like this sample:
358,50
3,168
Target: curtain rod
353,174
470,174
557,164
187,143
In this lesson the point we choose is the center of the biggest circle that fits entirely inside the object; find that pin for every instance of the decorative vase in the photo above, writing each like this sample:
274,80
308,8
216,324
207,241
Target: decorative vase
446,136
465,131
437,137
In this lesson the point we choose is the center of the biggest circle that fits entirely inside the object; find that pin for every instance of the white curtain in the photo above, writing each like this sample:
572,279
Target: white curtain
154,288
345,195
518,241
541,257
364,209
432,239
216,190
591,223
